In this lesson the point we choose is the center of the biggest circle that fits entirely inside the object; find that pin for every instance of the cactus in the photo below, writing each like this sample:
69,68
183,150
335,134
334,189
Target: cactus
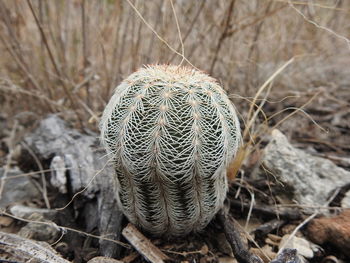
171,132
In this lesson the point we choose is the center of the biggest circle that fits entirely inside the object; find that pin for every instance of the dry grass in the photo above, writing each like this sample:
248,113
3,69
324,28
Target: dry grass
67,56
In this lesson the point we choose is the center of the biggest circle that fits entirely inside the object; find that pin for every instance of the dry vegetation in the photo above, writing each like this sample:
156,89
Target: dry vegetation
67,56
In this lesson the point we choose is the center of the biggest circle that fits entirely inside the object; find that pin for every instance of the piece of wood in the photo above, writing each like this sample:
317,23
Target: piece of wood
21,249
239,249
268,211
268,227
332,230
104,260
143,245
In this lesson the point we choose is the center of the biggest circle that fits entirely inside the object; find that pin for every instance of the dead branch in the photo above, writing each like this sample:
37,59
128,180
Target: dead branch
23,249
270,211
143,245
240,250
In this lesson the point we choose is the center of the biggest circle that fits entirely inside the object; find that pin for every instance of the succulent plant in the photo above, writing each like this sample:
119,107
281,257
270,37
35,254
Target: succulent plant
171,132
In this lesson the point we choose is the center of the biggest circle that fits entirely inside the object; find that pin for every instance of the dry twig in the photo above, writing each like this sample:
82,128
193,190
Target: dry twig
143,245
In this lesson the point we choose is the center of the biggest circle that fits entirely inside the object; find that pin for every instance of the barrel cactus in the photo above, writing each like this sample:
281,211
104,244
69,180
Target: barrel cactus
171,133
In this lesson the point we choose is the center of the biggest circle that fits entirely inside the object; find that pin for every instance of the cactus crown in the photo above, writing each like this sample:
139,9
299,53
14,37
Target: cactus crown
171,132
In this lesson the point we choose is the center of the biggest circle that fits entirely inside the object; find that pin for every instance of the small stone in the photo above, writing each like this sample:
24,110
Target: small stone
17,189
300,244
104,260
39,231
227,260
345,203
5,221
204,250
26,212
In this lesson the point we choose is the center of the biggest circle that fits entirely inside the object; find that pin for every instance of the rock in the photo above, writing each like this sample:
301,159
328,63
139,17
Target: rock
38,231
333,230
86,167
345,203
301,245
5,221
17,189
104,260
53,137
227,260
309,179
26,212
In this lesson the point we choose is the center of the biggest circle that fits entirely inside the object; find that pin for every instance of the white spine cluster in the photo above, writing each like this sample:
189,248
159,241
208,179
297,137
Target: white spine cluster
171,132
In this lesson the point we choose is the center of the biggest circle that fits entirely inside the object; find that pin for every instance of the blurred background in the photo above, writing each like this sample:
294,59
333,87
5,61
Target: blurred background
67,57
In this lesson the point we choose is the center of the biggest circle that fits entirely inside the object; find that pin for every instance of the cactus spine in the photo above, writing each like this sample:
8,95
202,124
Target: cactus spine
171,132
